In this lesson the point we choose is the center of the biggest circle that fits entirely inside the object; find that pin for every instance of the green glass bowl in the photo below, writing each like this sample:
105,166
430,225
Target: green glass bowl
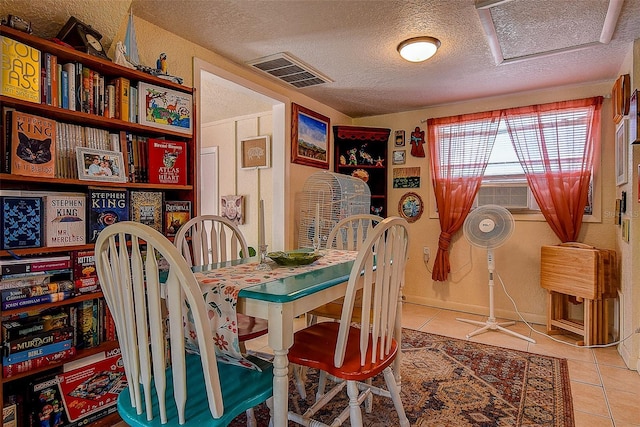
293,258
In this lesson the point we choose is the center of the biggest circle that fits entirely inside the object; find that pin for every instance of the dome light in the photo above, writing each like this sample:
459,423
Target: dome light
418,49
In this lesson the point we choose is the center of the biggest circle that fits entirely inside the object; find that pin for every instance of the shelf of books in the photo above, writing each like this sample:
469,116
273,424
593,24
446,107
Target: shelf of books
85,143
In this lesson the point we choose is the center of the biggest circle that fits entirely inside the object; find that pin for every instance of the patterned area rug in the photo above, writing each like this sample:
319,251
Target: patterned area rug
450,382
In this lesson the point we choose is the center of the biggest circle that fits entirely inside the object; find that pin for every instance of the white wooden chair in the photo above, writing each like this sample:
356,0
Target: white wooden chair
354,354
348,234
167,385
216,239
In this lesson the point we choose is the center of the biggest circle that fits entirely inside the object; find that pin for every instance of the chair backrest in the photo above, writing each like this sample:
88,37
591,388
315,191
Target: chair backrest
350,232
129,277
213,239
379,271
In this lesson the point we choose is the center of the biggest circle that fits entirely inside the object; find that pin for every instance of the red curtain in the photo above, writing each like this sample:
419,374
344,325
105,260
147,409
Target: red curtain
557,145
459,149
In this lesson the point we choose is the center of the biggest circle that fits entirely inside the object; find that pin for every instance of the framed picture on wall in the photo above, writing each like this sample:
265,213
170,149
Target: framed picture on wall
256,152
622,149
309,137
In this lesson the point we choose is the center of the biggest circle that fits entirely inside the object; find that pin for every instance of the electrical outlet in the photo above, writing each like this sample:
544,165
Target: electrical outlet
427,252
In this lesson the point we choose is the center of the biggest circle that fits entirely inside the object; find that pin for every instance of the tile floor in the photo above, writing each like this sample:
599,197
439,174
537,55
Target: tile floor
605,393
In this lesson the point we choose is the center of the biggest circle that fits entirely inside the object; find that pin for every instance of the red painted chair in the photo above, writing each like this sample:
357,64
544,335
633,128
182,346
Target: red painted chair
354,352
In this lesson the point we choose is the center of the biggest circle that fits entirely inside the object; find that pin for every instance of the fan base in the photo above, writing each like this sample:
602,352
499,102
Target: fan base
492,325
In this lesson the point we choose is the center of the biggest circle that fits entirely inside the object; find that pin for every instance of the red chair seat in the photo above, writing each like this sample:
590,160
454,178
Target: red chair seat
315,347
251,327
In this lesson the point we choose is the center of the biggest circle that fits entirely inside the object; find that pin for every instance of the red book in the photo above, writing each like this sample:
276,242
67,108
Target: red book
167,162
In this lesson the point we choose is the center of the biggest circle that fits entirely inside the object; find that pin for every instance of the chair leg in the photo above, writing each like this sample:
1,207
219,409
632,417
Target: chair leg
390,379
355,414
322,383
251,418
300,377
270,406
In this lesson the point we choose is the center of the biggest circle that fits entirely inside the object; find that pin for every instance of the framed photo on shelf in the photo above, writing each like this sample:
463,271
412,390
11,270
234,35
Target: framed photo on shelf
100,165
164,108
256,152
309,137
622,150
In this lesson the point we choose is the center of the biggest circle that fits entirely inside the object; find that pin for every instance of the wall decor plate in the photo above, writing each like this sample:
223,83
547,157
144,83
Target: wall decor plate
410,207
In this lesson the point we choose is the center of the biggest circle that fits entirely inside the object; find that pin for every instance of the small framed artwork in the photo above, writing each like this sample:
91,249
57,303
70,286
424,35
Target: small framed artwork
634,118
621,152
309,137
617,213
625,230
100,165
399,157
256,152
233,208
410,207
164,108
620,95
399,138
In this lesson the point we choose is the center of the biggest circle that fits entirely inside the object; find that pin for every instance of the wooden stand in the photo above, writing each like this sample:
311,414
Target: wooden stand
574,273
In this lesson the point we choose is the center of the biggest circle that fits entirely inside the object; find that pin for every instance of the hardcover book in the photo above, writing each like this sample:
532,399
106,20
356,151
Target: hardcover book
35,300
85,276
21,219
16,329
36,290
38,340
176,213
36,352
20,70
105,207
167,162
87,324
32,144
146,208
65,216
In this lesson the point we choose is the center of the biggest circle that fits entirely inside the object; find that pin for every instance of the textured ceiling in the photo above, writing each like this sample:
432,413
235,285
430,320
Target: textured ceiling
354,42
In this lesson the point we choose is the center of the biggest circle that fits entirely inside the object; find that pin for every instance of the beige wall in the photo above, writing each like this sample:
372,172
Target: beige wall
180,53
518,260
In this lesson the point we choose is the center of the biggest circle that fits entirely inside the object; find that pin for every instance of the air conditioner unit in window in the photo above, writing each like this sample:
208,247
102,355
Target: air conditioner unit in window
510,196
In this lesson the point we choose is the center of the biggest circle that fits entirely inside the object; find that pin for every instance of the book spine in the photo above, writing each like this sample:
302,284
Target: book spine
4,277
64,89
36,290
27,281
40,299
45,350
36,266
70,68
79,89
37,362
54,81
38,340
16,329
8,124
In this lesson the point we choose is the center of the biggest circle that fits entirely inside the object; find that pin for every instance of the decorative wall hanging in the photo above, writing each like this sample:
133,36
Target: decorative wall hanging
634,118
622,149
417,142
399,157
399,140
410,207
625,230
233,208
256,152
406,177
309,137
620,97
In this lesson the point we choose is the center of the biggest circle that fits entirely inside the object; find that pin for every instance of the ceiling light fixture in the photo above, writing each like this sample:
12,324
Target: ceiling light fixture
418,49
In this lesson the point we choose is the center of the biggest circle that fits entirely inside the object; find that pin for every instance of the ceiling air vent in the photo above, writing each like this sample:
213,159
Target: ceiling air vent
290,70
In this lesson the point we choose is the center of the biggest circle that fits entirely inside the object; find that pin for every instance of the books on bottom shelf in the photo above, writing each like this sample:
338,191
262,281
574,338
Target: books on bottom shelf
37,362
29,354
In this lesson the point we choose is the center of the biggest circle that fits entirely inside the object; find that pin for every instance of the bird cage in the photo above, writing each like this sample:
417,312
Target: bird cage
326,198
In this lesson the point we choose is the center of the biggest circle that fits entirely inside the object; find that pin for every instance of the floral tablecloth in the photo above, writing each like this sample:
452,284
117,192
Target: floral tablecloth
220,289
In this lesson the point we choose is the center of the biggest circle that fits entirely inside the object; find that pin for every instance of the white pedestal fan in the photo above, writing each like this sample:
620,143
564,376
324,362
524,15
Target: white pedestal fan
488,227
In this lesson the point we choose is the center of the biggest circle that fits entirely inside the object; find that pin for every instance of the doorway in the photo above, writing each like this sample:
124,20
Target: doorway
237,109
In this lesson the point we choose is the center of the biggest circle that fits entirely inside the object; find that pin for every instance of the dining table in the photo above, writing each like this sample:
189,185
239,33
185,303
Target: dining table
278,294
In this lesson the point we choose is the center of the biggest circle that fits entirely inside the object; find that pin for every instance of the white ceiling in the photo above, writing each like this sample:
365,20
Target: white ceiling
353,42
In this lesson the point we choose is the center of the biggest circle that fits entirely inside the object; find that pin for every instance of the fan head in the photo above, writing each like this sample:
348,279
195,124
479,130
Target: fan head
488,226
